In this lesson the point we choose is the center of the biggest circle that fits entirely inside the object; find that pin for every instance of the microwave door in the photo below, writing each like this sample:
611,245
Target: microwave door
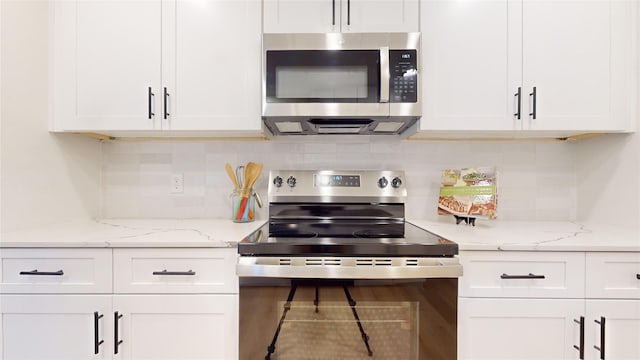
326,83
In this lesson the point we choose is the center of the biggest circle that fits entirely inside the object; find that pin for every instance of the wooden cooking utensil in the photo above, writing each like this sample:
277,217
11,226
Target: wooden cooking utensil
232,176
252,172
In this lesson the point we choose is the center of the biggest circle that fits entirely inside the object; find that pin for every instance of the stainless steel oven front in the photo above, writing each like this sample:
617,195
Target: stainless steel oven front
337,273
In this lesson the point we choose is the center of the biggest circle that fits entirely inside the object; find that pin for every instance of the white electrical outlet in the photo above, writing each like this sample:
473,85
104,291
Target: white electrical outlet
177,184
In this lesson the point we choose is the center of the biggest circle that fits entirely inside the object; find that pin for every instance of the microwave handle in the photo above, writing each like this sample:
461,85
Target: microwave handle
384,74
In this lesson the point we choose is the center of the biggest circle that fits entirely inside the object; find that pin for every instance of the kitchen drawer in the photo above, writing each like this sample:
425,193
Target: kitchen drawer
200,270
55,271
522,274
613,275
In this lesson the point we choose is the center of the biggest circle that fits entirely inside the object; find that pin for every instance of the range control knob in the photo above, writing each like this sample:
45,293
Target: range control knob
291,181
277,181
396,182
383,182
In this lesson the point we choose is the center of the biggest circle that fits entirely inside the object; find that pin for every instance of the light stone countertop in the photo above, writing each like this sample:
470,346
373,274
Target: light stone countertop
535,235
111,233
486,235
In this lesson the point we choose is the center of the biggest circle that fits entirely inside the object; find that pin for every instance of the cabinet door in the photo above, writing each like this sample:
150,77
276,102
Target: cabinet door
55,327
512,329
105,58
211,65
155,327
620,332
575,55
301,16
380,16
471,64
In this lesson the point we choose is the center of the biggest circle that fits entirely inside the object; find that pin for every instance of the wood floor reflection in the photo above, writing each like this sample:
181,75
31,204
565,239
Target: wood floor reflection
261,307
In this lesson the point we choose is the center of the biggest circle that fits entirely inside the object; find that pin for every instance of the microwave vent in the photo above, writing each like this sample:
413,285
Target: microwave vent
289,127
388,127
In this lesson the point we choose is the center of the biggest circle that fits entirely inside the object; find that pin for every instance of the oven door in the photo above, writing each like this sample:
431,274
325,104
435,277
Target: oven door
302,319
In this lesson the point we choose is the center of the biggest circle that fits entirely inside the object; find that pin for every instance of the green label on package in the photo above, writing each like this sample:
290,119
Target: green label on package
467,190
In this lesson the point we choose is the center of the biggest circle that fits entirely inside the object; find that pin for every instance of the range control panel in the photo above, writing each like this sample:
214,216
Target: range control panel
403,82
336,185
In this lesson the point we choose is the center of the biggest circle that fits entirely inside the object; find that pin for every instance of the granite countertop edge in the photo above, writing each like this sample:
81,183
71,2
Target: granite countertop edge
486,235
496,235
133,233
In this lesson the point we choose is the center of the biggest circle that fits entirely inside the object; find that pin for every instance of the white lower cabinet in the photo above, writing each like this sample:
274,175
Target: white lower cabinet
496,328
612,329
549,305
177,304
612,322
64,327
185,327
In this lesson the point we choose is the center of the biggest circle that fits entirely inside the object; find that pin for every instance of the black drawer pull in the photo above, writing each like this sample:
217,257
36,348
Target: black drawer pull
530,276
166,103
518,95
165,272
36,272
116,335
601,347
535,95
96,337
150,96
580,347
638,276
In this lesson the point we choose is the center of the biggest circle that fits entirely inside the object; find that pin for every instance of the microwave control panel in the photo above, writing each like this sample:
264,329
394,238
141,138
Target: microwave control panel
403,81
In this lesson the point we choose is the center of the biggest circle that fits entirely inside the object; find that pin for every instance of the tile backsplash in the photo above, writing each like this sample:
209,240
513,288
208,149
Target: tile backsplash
536,178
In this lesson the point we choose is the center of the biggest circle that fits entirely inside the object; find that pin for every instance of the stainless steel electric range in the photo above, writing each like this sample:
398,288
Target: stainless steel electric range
334,237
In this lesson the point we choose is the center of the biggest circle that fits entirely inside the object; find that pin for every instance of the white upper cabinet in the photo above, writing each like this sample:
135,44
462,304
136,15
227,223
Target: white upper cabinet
187,65
211,65
324,16
569,55
471,65
105,58
554,67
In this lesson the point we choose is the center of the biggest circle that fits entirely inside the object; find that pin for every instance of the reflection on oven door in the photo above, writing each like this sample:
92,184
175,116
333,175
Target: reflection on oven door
319,319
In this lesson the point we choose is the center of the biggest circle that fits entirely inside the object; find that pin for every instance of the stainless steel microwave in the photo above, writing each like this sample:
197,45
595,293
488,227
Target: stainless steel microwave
341,83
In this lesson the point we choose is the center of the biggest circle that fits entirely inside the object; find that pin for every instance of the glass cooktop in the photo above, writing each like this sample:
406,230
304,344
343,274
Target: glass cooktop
335,238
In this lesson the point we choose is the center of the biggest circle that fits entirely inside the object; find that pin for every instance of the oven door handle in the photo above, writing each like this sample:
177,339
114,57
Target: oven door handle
384,74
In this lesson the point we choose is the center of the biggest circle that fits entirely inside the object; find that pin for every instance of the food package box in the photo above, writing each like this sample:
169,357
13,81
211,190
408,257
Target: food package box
469,192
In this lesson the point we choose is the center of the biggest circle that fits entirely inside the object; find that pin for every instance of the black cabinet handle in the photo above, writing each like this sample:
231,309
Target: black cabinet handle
150,96
580,347
333,14
96,337
348,12
36,272
530,276
535,95
166,102
518,95
601,347
638,276
116,340
165,272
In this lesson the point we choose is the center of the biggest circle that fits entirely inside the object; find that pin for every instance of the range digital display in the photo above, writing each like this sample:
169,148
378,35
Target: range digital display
322,180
